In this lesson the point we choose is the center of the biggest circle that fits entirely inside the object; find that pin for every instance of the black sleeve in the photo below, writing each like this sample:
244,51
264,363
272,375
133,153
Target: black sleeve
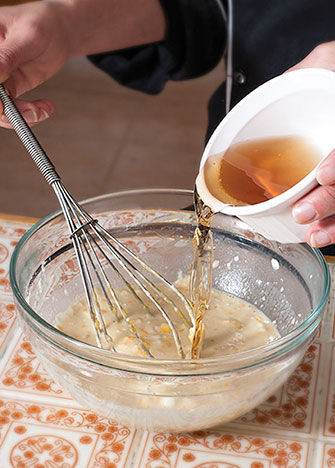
195,42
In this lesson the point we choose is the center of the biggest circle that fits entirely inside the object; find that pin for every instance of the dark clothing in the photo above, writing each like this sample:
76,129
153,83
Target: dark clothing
195,41
268,38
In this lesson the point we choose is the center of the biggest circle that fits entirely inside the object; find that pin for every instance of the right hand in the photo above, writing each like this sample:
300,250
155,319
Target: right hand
37,38
33,47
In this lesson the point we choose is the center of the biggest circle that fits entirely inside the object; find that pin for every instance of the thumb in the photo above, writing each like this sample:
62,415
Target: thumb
33,112
10,58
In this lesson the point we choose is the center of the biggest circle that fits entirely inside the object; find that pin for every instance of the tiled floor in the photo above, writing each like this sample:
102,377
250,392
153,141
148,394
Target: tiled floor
104,138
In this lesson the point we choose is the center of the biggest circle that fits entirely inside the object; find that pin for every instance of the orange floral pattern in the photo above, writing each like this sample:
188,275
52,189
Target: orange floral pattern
5,289
122,218
329,422
44,452
328,456
7,319
69,268
223,449
4,252
111,438
24,372
10,233
292,406
48,432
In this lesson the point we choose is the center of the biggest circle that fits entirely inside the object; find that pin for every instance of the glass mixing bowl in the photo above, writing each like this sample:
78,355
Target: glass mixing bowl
289,283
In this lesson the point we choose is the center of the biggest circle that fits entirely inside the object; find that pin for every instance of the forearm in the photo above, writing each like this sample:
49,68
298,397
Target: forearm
93,26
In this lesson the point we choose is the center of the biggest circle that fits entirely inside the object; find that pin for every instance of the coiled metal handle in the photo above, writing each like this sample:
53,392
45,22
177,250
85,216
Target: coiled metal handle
28,138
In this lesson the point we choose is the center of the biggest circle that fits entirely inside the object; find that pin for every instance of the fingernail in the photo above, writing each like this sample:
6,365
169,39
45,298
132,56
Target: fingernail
326,175
45,114
30,115
320,239
303,213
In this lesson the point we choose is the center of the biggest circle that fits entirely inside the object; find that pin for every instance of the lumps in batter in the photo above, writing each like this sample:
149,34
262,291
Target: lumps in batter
231,326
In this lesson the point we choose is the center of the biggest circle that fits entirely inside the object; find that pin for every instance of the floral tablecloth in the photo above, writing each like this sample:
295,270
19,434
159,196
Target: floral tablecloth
42,427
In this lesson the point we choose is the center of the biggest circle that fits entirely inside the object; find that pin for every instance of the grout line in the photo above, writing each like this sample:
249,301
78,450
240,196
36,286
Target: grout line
122,144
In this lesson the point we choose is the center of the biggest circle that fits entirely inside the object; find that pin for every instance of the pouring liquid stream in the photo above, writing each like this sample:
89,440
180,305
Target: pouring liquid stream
245,174
201,273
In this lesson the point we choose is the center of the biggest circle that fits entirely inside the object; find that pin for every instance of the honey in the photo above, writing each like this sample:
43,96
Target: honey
247,173
257,170
201,273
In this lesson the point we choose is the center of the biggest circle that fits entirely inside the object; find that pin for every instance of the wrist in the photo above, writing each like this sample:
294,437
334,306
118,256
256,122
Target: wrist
95,26
63,13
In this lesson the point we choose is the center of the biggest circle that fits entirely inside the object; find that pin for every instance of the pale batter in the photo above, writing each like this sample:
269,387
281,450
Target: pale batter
231,326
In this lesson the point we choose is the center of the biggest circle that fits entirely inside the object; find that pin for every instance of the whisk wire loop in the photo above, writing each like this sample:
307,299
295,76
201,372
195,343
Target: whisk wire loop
71,213
77,213
86,280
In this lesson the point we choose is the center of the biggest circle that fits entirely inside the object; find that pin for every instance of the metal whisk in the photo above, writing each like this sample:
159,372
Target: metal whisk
95,247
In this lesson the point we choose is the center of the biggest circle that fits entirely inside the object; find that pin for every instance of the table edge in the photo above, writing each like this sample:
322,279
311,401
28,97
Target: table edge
18,218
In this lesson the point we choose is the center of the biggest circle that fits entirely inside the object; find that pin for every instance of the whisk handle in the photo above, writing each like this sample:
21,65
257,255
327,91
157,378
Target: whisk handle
27,137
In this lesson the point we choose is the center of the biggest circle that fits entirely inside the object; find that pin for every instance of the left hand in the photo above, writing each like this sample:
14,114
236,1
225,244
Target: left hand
318,206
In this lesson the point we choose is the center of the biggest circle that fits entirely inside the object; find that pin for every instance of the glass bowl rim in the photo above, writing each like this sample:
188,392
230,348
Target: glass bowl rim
261,354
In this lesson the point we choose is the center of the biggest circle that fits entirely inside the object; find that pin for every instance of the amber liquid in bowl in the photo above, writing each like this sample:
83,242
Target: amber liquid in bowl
245,174
257,170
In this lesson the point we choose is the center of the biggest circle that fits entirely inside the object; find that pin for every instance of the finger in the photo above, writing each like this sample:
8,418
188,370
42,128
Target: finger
321,233
322,56
318,204
4,83
33,112
325,174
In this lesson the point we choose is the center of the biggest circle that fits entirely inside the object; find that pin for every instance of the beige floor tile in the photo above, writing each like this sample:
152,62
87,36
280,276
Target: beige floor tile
163,148
105,137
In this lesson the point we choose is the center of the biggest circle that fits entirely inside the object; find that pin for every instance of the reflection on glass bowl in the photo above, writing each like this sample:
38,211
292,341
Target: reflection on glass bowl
289,283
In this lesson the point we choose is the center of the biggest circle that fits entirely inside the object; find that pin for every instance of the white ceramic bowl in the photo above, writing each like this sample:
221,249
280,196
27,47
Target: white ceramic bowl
300,103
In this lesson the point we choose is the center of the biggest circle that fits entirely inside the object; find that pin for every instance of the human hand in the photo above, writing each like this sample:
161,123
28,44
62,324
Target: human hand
318,207
32,48
37,38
